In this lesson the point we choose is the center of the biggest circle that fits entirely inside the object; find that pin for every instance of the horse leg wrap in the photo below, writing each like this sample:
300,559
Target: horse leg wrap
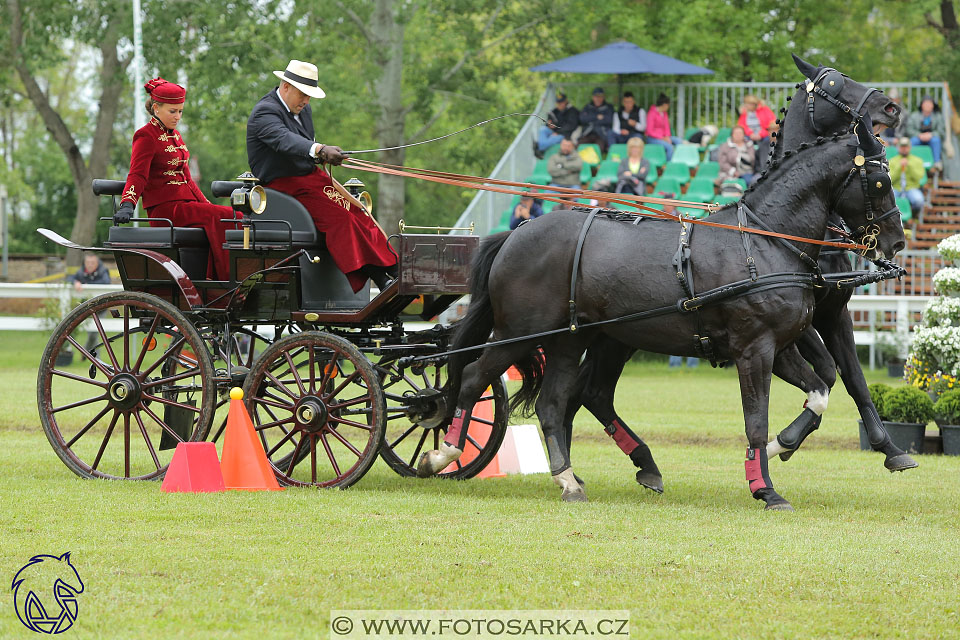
758,477
457,433
795,433
876,434
626,439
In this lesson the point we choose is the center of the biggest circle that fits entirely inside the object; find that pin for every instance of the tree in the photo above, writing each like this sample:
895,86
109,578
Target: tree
33,37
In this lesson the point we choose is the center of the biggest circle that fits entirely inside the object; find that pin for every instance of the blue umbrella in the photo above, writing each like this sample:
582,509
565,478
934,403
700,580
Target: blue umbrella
622,57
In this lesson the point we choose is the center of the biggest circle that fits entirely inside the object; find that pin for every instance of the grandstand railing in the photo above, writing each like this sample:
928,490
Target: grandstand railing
693,105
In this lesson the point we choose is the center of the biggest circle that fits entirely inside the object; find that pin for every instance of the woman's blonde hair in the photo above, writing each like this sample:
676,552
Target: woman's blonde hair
634,142
751,99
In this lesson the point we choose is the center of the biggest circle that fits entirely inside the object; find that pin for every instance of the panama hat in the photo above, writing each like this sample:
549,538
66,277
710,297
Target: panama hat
303,76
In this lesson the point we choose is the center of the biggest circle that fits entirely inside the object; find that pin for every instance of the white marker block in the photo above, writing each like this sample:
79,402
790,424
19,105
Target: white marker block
522,450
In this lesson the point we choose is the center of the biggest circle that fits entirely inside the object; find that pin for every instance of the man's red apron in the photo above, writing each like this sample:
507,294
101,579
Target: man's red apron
353,239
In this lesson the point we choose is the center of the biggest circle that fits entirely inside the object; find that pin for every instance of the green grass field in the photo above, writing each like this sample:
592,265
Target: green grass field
867,554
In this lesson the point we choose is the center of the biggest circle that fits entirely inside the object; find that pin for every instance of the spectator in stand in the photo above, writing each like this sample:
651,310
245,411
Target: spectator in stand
527,209
633,170
658,126
891,135
926,127
93,271
755,118
737,157
630,122
596,118
564,166
565,118
906,173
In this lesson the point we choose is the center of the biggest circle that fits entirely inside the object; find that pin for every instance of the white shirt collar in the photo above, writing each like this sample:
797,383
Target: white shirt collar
296,116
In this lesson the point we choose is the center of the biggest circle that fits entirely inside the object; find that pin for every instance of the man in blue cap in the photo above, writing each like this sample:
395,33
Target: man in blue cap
597,121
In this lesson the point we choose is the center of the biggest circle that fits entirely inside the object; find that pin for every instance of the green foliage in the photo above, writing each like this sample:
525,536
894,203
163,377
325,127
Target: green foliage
906,404
878,392
947,407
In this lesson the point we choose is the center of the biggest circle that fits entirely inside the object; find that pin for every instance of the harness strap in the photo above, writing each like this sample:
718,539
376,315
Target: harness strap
805,257
742,221
572,301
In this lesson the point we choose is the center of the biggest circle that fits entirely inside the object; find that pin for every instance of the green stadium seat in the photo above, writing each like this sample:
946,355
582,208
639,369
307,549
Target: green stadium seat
669,185
688,154
585,152
617,152
700,190
722,200
923,152
540,174
551,150
689,131
586,173
548,206
655,155
723,133
906,213
607,170
708,169
694,213
891,152
676,170
739,181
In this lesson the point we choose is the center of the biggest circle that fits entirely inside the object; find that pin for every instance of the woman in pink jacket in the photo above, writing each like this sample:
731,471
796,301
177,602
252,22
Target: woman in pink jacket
755,118
658,126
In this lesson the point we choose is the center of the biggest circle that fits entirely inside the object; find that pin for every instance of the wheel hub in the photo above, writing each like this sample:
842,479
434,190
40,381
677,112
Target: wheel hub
428,408
311,414
124,391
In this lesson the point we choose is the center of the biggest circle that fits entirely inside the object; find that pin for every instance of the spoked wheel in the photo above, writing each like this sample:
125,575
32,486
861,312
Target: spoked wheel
144,384
417,422
317,404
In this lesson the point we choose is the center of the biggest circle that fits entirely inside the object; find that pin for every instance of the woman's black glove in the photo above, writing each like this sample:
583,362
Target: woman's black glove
124,213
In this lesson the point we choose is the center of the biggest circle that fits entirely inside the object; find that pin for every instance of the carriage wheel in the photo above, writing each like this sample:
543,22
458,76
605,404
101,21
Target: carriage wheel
317,404
417,420
144,384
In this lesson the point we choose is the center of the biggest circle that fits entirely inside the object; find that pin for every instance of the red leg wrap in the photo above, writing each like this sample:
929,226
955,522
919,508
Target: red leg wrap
758,477
622,436
456,433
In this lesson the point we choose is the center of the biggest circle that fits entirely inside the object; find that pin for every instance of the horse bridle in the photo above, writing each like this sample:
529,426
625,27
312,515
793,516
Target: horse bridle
872,184
834,81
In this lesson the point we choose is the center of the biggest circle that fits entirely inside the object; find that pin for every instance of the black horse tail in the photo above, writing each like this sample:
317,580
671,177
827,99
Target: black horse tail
476,325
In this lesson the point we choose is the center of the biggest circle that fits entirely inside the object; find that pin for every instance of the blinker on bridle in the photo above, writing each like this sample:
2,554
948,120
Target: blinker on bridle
834,81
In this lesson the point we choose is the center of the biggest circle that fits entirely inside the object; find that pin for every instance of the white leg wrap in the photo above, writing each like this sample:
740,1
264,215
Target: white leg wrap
774,449
817,402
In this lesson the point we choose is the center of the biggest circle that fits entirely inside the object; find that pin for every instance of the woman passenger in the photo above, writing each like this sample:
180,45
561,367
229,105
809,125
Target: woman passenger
160,174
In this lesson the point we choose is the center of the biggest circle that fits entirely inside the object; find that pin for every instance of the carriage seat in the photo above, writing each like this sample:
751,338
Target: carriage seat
270,227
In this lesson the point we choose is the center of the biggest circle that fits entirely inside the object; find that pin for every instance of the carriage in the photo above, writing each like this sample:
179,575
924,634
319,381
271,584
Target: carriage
328,375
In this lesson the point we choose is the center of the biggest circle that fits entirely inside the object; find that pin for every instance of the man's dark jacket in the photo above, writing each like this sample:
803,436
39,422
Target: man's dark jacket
568,120
277,145
592,124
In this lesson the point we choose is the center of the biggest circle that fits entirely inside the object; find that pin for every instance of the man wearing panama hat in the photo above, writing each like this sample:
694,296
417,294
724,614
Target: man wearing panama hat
284,155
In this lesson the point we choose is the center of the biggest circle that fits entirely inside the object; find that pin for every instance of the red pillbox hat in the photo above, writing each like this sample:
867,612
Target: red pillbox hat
165,92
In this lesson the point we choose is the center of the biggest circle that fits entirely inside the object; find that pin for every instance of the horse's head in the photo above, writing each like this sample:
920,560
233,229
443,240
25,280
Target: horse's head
865,199
829,90
45,570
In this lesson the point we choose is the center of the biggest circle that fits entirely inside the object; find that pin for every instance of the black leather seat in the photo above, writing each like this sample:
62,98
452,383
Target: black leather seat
157,237
283,220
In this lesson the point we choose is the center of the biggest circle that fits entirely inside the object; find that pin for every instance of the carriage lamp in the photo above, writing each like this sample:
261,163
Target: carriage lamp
248,199
357,189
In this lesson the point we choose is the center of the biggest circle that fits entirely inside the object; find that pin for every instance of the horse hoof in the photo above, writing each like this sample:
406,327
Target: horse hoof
424,468
574,496
786,455
779,506
901,462
650,481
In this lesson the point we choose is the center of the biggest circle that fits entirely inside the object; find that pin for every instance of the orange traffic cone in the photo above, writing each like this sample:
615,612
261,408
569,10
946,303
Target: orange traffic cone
244,464
481,433
194,469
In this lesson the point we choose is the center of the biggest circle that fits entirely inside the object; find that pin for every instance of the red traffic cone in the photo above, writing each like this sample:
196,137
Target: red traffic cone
194,469
244,464
481,433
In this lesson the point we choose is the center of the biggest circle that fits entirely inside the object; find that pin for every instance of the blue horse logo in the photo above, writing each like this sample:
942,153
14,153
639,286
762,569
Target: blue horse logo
32,587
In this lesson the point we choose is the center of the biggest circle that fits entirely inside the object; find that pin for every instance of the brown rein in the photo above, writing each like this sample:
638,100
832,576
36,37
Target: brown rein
564,195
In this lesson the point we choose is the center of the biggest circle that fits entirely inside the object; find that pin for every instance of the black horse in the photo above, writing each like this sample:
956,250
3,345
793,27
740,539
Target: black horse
810,115
522,280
